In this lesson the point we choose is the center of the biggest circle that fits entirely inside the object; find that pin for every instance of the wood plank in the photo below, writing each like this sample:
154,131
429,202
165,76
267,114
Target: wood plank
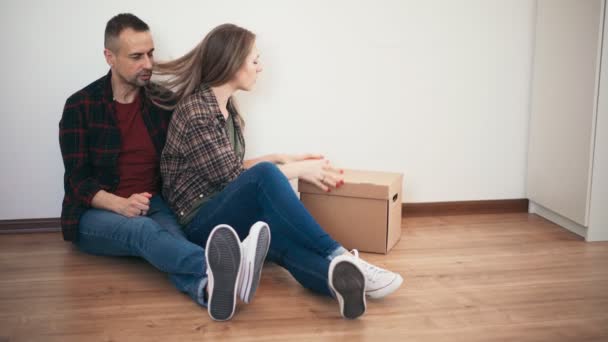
504,277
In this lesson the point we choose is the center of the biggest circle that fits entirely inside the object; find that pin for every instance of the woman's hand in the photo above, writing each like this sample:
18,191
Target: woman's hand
282,159
321,173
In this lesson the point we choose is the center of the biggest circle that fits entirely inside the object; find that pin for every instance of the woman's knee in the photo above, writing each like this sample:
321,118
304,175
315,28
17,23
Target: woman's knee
266,171
265,168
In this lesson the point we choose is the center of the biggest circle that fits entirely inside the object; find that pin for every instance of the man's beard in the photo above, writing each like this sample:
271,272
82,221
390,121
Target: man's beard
137,81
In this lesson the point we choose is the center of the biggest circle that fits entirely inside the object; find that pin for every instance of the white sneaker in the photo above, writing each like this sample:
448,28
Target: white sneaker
380,282
224,259
347,282
254,247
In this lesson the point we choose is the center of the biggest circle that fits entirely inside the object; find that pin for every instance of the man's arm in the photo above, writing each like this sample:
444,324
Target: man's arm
78,169
74,150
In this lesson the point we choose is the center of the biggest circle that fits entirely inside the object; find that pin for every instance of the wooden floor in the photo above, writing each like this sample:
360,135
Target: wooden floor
507,277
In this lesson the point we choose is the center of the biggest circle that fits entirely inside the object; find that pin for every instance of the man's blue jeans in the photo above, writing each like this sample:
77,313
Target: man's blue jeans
263,193
157,238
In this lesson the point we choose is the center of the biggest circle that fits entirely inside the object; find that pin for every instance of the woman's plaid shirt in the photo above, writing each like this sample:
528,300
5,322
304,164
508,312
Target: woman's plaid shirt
198,159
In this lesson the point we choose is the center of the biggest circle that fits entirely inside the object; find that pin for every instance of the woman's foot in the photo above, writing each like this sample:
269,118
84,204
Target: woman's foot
254,247
224,258
347,281
380,282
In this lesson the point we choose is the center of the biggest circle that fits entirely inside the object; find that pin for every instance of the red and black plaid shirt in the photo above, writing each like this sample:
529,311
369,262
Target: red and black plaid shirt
90,144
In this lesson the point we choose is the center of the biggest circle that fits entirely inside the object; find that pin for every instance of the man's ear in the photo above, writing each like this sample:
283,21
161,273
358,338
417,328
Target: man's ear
110,58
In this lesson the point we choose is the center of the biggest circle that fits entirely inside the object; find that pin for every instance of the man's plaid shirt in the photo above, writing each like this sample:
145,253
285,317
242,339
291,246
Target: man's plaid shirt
90,144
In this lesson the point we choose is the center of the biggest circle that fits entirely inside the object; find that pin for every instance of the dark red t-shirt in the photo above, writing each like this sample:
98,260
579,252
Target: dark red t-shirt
138,164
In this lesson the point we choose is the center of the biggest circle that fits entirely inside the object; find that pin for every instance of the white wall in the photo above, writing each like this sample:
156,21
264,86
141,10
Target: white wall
438,90
598,215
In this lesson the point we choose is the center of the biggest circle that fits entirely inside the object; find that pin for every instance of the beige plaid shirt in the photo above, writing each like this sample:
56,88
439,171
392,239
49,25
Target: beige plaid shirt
198,159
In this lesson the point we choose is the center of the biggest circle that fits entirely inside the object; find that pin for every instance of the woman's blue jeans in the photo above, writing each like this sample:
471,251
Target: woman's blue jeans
263,193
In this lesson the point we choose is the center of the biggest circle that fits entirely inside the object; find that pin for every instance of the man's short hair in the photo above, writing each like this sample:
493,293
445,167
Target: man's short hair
119,23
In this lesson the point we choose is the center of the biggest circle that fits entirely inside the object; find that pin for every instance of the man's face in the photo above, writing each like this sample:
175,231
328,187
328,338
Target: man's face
132,57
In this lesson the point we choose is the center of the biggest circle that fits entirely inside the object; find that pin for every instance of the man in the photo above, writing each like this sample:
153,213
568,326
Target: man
111,136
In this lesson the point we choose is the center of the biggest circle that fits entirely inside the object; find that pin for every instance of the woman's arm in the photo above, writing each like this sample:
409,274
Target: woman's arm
273,158
281,159
309,167
315,171
207,150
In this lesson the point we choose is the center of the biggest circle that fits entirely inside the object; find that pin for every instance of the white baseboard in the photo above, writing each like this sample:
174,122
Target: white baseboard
597,235
535,208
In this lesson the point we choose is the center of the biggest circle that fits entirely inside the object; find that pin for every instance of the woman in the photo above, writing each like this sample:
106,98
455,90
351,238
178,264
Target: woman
207,183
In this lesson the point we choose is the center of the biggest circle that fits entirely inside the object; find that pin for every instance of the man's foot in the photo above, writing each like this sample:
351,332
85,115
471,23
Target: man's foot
254,247
223,253
347,281
380,282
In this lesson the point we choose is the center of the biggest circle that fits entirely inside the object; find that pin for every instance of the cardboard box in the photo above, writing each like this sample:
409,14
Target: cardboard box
364,213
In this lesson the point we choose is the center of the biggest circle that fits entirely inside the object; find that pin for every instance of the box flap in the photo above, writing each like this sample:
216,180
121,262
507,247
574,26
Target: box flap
364,184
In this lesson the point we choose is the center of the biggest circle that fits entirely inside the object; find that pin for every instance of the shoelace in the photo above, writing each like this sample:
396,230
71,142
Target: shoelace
371,271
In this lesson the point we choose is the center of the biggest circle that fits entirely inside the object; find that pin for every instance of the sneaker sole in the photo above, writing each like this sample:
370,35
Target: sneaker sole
254,262
223,255
348,283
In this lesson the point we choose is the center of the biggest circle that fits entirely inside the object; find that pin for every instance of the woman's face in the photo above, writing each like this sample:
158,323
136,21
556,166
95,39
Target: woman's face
246,76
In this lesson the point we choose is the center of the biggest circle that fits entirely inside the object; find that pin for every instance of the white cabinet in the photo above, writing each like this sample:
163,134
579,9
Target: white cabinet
568,144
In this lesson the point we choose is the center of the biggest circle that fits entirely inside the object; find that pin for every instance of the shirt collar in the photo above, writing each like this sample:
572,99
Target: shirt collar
108,94
211,100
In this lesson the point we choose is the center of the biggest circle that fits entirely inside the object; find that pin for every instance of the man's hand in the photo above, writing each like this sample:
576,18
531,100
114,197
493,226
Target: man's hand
135,205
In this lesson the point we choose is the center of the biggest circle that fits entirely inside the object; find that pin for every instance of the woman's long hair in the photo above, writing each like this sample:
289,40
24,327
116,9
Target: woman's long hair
213,62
